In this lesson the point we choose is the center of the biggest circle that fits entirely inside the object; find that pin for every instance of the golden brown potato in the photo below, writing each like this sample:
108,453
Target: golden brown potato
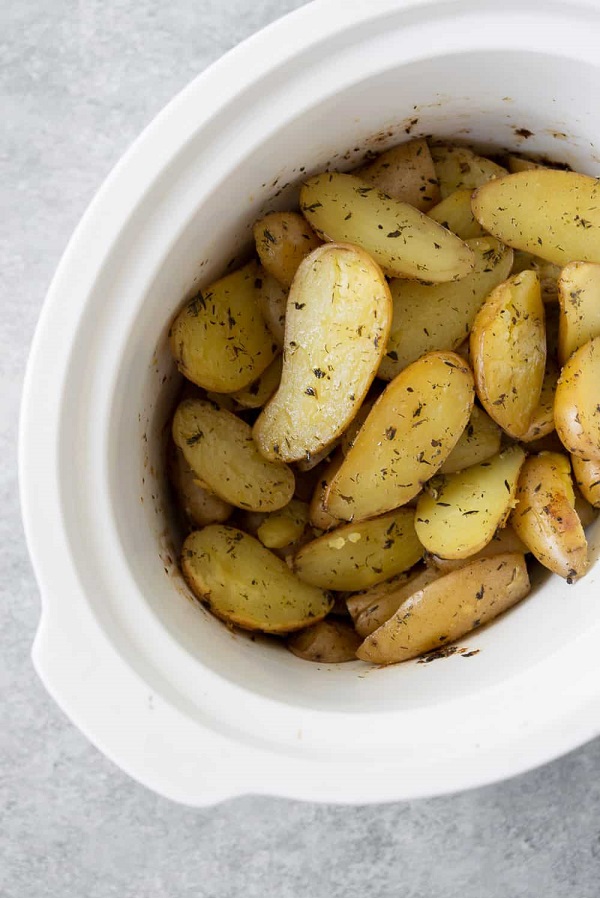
219,448
329,642
439,316
355,556
577,402
479,441
246,585
547,272
404,241
411,430
554,214
587,477
219,339
458,514
272,301
508,348
283,240
405,172
378,604
284,527
455,213
260,391
579,298
503,541
545,517
198,504
337,324
458,168
448,608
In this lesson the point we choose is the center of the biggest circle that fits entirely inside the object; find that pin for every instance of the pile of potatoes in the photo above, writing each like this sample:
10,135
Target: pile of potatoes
394,404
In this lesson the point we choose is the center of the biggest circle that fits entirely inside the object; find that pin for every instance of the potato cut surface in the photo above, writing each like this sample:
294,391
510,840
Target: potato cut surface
577,402
455,213
579,298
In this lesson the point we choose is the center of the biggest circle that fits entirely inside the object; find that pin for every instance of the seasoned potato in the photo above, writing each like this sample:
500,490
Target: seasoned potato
448,608
545,517
542,422
219,339
283,239
338,320
198,504
245,584
318,458
458,168
457,514
439,316
577,405
260,390
272,301
355,425
404,241
587,477
508,348
521,163
503,541
547,272
382,603
219,448
320,518
355,556
479,441
579,298
329,641
411,430
284,527
405,172
455,213
554,214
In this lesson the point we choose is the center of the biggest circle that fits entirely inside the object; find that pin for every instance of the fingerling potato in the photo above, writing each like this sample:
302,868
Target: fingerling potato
355,556
382,604
272,301
409,433
521,163
448,608
545,517
282,528
219,448
219,339
508,349
243,583
587,477
283,239
455,213
479,441
547,272
503,541
198,504
458,168
337,324
542,422
405,172
579,298
404,241
577,402
260,391
331,641
320,518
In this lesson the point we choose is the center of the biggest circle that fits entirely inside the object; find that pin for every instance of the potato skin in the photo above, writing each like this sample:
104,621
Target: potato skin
458,168
579,298
283,240
375,606
576,403
331,641
448,608
199,505
219,339
247,585
587,477
272,301
405,172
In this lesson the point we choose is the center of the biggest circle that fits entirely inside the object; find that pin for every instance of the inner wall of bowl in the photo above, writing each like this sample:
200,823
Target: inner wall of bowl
484,99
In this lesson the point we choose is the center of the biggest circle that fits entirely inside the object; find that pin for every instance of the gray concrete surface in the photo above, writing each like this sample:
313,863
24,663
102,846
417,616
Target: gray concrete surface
79,81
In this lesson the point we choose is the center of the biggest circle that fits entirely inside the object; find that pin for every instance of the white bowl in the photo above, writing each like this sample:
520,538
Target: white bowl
173,697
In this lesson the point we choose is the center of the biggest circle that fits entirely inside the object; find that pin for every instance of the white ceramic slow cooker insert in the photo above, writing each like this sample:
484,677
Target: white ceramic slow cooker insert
169,693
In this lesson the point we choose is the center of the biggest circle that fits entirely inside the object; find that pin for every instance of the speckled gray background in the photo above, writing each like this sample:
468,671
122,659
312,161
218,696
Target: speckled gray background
79,81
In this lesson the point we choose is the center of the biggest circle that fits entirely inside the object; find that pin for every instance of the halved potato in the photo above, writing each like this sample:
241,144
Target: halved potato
405,172
587,478
554,214
448,608
283,239
355,556
379,604
545,517
542,422
458,168
547,272
260,390
272,301
411,430
458,514
404,241
522,163
243,583
577,402
479,441
219,339
439,316
219,448
508,348
320,518
455,213
355,425
337,324
284,527
503,541
331,641
198,504
579,298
